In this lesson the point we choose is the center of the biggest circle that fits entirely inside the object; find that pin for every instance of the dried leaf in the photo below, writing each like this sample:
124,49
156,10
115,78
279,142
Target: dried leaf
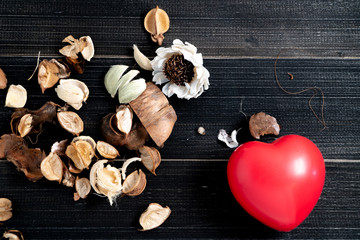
154,216
261,124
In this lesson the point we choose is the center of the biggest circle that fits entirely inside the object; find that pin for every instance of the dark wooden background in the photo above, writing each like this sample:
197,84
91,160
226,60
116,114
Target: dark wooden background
239,41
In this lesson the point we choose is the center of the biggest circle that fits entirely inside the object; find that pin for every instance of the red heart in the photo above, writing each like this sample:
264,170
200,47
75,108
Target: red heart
277,183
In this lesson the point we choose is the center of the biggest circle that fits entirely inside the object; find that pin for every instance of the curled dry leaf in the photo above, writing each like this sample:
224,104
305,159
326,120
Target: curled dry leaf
106,150
81,153
157,22
135,183
52,167
50,72
150,157
13,235
261,124
5,209
71,122
73,92
123,118
59,147
141,59
25,125
155,113
154,216
3,79
26,159
83,45
133,141
106,180
16,96
82,187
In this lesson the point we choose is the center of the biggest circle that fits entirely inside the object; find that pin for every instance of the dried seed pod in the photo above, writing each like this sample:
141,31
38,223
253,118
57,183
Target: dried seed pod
201,131
25,125
3,79
52,167
59,147
83,45
106,180
106,150
71,122
5,209
82,187
150,157
73,92
157,23
155,113
135,183
141,59
16,96
124,117
88,139
154,216
81,153
126,164
88,50
77,64
68,178
13,235
261,124
230,141
50,72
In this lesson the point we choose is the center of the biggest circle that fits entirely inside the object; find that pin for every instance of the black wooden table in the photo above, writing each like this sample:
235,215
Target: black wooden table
239,41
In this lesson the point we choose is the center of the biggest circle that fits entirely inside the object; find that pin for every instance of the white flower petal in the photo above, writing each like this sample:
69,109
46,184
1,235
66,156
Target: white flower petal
160,78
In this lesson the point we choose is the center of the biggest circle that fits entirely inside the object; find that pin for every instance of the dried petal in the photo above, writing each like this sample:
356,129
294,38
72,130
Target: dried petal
112,77
156,23
135,183
52,167
3,79
231,142
124,116
141,59
83,187
25,125
106,150
5,209
154,216
150,157
261,124
13,235
16,96
131,90
71,122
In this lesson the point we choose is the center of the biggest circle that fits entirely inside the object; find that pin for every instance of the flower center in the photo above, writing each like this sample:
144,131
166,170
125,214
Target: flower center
179,70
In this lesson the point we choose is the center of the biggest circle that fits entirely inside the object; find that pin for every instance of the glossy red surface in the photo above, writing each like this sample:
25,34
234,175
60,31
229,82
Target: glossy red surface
278,183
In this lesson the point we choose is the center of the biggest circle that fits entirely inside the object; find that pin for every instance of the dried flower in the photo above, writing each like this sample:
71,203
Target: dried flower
73,92
50,72
83,187
5,209
16,96
13,235
150,157
3,79
261,124
141,59
52,167
182,68
106,150
157,22
154,216
83,45
71,122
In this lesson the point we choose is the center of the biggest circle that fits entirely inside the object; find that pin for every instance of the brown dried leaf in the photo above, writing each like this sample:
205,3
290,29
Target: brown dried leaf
5,209
154,216
261,124
52,167
157,22
71,122
106,150
135,183
150,157
3,79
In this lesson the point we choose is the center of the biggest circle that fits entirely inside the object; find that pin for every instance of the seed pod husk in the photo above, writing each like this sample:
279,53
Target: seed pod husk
82,187
123,118
141,59
60,147
88,139
73,92
25,125
52,167
150,157
5,209
71,122
81,153
154,216
157,22
68,178
3,79
13,235
16,96
135,183
106,150
50,72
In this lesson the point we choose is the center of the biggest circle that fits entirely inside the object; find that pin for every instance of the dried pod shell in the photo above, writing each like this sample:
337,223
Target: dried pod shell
73,92
71,122
81,153
50,72
52,167
59,147
83,45
82,187
88,50
3,79
88,139
154,216
106,150
135,183
25,125
5,209
124,117
68,179
13,235
150,157
261,124
16,96
157,22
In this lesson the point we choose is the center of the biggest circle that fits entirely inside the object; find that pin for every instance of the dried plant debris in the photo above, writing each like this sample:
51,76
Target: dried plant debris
88,139
106,150
123,84
71,122
52,167
150,157
50,72
154,216
141,59
157,22
230,141
73,92
126,165
155,113
134,184
201,131
3,79
106,180
123,118
5,209
82,187
261,124
13,235
81,153
83,45
25,121
133,141
60,147
68,178
16,96
27,160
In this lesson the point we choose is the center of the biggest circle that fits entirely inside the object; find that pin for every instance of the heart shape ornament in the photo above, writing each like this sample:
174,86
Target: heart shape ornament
277,183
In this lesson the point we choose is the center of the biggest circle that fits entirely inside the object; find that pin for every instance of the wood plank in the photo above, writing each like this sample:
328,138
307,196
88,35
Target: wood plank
198,194
219,28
